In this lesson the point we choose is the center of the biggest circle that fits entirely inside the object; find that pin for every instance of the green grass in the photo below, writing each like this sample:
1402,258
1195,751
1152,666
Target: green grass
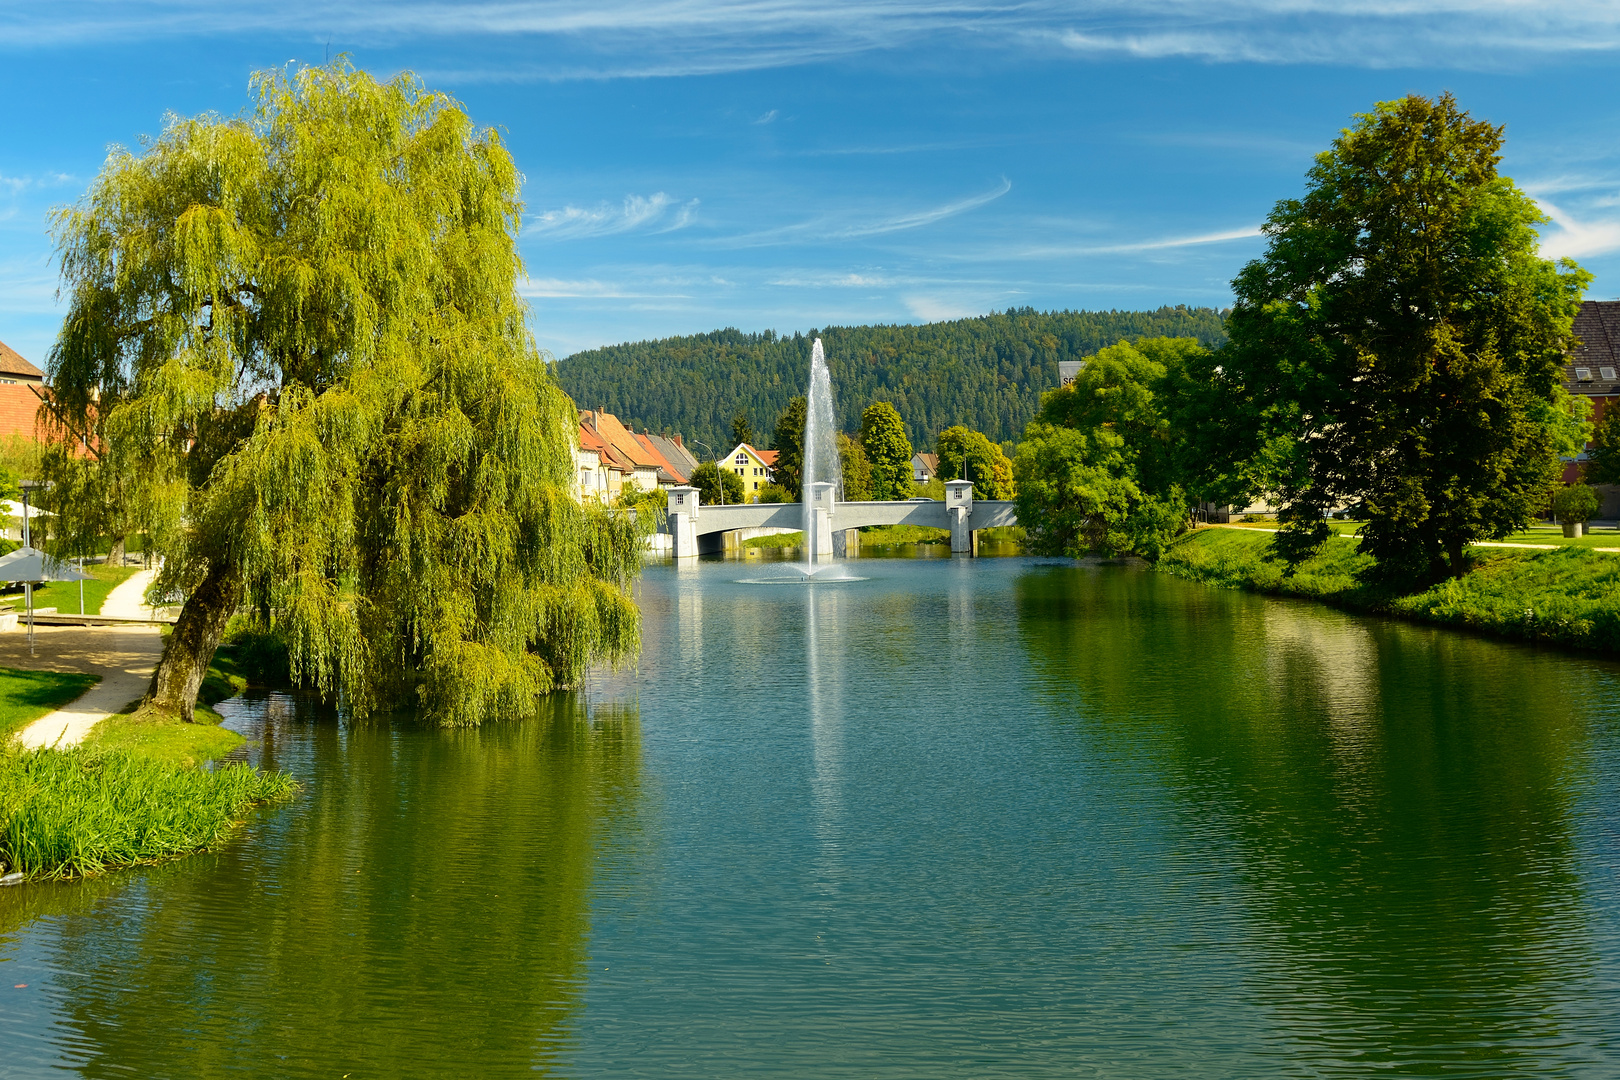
1568,596
885,535
776,540
25,696
64,595
1536,534
168,739
86,810
1340,528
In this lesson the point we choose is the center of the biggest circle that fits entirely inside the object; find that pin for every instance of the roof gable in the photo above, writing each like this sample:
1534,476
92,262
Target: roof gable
12,363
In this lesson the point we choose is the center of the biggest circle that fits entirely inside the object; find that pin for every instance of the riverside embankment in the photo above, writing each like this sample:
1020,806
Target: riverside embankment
1566,596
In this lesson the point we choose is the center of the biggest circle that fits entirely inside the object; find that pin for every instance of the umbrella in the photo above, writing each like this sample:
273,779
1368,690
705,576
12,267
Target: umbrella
28,564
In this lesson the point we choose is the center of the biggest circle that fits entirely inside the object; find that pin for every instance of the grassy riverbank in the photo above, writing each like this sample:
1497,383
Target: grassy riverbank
85,810
1569,596
134,791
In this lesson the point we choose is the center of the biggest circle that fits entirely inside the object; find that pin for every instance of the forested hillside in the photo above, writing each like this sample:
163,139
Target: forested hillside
987,373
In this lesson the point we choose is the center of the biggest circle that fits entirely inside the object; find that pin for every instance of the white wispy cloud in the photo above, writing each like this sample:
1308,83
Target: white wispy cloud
938,309
625,38
653,213
1576,238
1125,247
854,225
768,118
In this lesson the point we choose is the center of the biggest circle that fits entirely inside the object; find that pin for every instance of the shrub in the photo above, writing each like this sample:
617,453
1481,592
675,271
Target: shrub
1575,503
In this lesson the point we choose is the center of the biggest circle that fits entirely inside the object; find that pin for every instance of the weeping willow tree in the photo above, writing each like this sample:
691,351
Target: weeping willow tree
296,339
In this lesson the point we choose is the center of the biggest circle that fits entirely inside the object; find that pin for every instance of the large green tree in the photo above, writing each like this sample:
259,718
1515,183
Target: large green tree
300,335
1398,348
855,469
1101,465
717,486
883,436
968,454
788,442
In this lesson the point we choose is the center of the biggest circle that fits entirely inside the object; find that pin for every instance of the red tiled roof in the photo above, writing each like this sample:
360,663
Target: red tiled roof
767,456
12,363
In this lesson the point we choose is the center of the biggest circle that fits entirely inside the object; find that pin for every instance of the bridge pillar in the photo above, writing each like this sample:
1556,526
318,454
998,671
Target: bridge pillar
959,508
846,543
683,512
820,536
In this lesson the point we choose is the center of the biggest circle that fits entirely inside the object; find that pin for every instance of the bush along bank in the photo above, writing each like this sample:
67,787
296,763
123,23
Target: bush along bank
1567,596
83,811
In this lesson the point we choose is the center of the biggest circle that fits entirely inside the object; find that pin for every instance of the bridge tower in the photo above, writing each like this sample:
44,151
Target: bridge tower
959,509
683,512
820,536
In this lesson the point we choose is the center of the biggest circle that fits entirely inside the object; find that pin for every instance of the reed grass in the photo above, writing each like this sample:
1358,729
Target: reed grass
83,810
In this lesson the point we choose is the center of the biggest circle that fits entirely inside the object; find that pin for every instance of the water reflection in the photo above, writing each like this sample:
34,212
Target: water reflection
422,906
1398,806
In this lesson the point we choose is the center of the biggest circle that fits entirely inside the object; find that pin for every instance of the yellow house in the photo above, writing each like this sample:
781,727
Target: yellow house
754,467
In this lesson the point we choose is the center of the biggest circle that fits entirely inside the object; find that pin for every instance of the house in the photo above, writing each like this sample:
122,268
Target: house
22,386
755,467
924,467
611,457
1593,371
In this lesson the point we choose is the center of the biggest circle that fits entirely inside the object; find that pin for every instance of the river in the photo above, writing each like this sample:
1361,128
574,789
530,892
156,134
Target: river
964,818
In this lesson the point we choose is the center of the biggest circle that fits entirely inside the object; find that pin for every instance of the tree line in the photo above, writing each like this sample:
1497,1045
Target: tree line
987,373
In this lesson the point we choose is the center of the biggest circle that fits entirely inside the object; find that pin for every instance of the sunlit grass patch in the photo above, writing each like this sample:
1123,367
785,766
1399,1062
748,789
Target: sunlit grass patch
64,595
85,810
25,696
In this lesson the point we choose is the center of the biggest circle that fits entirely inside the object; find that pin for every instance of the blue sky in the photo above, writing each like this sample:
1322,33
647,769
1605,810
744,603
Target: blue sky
773,164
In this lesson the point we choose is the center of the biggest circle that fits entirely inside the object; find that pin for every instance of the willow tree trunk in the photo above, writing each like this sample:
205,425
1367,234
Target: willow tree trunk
197,634
115,557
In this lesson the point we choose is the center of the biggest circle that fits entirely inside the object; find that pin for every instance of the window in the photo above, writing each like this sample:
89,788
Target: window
1606,374
740,459
1583,374
756,485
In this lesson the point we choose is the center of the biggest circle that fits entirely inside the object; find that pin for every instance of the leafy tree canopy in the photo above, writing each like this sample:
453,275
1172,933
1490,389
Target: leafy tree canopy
788,441
967,454
1398,348
856,469
299,339
1100,466
883,437
716,485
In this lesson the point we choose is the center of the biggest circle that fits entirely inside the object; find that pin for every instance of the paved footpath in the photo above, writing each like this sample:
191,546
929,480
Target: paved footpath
123,656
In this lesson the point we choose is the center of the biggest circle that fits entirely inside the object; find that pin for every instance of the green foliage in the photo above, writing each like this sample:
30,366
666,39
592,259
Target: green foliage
1603,456
986,373
150,734
79,811
742,431
303,338
1101,465
883,437
775,540
788,442
255,651
1562,597
857,470
772,492
1398,347
25,696
1575,503
966,454
716,485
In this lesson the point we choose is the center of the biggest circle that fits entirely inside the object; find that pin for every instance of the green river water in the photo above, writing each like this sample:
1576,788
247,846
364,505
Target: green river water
963,818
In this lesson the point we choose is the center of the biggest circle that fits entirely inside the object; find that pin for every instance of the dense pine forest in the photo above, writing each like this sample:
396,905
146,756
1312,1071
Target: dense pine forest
987,373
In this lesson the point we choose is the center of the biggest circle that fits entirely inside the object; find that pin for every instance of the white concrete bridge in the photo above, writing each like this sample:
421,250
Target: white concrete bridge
695,528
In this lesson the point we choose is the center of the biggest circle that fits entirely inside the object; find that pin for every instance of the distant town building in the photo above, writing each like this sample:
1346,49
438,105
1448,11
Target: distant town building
22,388
1593,371
755,467
1068,370
924,467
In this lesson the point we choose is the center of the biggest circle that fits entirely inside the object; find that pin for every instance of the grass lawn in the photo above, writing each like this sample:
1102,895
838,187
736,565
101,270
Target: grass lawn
884,535
64,595
1340,528
775,540
1567,596
25,696
1535,534
170,740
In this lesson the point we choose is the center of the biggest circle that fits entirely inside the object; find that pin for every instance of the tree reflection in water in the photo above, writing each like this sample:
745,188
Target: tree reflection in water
1395,811
424,904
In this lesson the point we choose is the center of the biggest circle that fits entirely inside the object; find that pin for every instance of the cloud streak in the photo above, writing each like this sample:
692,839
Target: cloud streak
839,227
656,213
642,38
